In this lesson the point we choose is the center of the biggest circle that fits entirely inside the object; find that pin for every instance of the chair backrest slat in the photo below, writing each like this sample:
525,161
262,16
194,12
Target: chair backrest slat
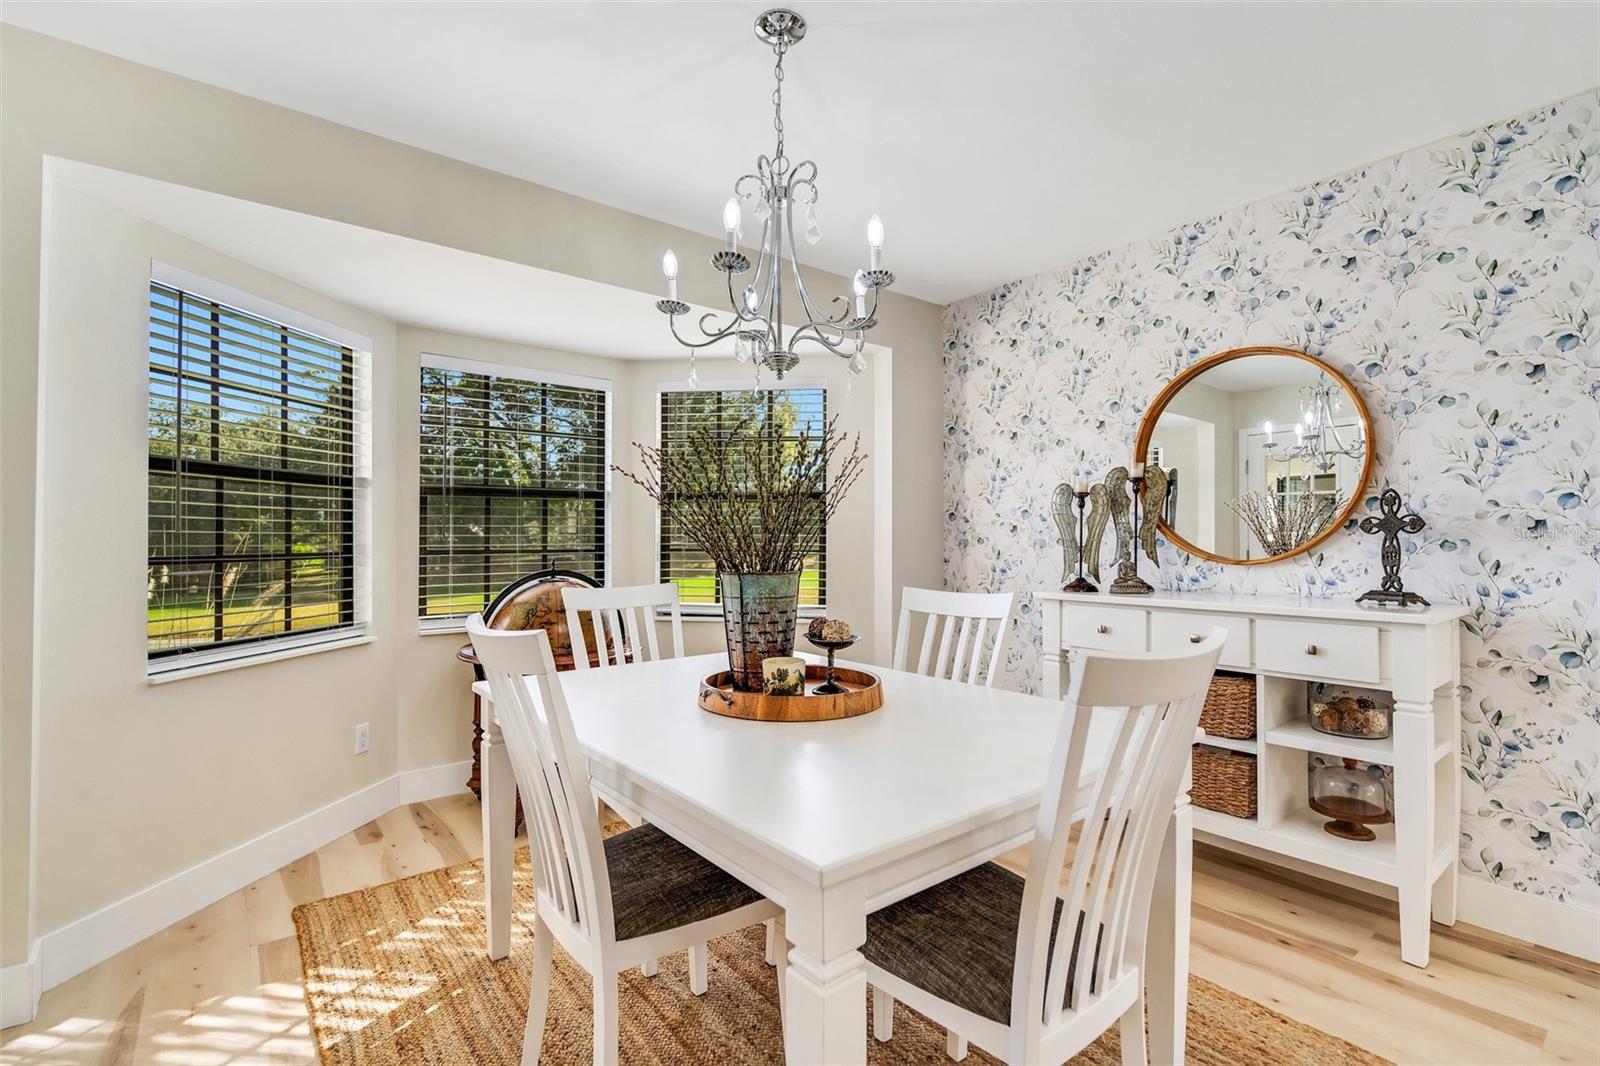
552,775
962,623
623,621
1144,709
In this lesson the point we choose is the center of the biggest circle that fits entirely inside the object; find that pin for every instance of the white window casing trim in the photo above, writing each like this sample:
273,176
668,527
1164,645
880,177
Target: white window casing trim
199,285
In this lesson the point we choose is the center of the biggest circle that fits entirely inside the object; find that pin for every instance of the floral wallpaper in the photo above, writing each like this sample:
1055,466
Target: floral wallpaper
1456,286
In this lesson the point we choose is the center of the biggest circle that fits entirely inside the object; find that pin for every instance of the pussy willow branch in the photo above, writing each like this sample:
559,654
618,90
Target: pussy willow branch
753,499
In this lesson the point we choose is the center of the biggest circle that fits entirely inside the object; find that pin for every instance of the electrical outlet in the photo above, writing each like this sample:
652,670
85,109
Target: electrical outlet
363,737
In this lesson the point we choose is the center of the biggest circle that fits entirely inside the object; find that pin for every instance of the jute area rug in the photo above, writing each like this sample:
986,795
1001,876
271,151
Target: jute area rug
399,974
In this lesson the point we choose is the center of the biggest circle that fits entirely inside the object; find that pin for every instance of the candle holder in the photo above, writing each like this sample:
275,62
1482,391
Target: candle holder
1128,582
1081,583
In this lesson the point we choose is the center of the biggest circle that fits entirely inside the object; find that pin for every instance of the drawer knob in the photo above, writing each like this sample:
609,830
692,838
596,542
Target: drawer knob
1311,649
1195,638
1102,629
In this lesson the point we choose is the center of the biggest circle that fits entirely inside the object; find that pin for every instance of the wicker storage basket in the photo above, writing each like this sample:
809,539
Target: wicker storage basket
1224,781
1230,709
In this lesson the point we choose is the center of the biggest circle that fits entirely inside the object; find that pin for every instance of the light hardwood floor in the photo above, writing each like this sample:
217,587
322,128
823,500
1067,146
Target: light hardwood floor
224,986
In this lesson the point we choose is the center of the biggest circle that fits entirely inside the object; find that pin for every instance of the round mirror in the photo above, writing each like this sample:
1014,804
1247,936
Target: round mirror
1268,451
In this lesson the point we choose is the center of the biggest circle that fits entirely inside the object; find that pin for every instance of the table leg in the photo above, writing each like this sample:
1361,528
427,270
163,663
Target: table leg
1167,947
499,835
1412,730
825,986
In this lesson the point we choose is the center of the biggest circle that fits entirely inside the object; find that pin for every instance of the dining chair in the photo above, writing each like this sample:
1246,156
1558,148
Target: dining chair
612,903
1007,962
966,620
623,621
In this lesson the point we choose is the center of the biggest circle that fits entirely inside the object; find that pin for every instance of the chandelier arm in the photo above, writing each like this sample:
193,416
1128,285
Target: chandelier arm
745,315
813,333
672,324
812,314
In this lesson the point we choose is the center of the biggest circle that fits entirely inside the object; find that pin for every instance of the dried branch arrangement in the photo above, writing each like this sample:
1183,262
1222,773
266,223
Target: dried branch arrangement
1282,529
749,497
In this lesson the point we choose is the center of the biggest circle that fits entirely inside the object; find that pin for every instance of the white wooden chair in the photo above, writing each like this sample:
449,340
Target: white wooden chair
967,620
611,903
618,616
979,953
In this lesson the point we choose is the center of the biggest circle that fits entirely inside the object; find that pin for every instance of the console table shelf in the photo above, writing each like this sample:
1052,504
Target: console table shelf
1288,643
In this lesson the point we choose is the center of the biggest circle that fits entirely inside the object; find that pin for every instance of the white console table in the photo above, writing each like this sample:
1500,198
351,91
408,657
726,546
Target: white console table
1286,642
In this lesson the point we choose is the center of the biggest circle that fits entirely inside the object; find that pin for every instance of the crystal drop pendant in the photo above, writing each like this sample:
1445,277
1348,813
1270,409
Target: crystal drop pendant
813,231
858,364
761,210
694,373
741,348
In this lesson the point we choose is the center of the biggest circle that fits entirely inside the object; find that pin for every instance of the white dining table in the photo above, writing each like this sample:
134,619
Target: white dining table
832,820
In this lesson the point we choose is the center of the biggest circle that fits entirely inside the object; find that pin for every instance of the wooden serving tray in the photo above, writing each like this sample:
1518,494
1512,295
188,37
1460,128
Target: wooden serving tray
864,694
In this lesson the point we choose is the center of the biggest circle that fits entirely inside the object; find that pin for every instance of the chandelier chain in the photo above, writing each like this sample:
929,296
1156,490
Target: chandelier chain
779,162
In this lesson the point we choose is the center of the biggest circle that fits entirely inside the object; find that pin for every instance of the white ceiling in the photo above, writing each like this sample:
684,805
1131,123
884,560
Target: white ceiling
996,140
398,278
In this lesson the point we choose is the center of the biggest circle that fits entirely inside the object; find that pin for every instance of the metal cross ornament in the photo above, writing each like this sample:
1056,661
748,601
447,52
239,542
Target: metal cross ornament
1392,593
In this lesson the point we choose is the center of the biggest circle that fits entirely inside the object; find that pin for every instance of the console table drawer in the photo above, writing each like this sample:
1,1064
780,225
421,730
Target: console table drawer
1345,652
1105,628
1175,630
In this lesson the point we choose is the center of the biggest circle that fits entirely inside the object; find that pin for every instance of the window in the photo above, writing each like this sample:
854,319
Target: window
255,478
513,481
801,412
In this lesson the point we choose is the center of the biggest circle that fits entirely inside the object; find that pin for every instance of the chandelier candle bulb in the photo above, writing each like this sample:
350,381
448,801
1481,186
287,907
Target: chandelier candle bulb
669,267
730,223
875,241
859,283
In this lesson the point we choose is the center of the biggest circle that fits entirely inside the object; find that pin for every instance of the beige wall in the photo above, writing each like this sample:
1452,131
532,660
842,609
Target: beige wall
138,781
62,100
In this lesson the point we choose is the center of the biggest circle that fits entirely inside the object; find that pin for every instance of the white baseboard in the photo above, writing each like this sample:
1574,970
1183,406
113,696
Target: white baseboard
431,782
64,953
1563,927
20,987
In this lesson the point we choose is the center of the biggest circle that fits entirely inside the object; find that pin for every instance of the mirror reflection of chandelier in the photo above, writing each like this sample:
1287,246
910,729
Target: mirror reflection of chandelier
771,194
1317,439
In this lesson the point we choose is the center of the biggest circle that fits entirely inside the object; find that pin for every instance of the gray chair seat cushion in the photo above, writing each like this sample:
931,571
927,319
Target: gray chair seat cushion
657,883
958,939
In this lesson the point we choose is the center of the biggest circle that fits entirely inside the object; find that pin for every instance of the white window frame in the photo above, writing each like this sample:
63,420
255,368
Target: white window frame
289,645
697,611
437,361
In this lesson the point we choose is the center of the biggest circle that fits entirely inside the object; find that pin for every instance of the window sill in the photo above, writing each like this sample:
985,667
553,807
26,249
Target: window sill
239,661
456,626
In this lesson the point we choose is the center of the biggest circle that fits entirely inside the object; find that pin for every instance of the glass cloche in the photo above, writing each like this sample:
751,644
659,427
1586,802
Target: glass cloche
1352,797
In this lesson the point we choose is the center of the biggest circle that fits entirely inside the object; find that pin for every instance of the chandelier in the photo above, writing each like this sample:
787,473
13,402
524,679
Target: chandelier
1317,439
772,194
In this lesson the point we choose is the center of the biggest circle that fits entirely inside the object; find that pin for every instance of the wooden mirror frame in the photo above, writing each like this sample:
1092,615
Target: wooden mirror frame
1152,413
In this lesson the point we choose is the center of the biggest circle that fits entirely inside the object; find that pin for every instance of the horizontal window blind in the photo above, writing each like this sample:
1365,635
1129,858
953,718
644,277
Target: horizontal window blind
254,441
513,481
798,412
